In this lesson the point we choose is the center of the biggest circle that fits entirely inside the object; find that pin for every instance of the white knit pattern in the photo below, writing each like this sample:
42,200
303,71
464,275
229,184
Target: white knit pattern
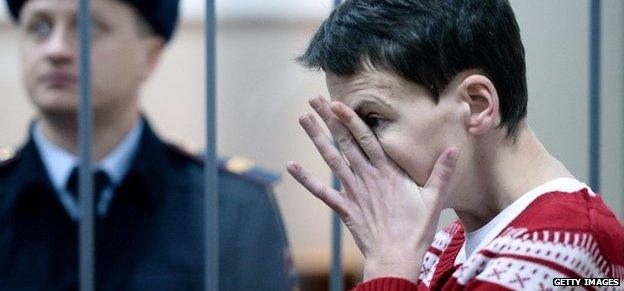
443,237
428,268
440,243
577,252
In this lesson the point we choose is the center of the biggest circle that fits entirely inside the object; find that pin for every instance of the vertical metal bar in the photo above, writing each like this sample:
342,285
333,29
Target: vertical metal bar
86,229
594,96
210,191
336,280
336,277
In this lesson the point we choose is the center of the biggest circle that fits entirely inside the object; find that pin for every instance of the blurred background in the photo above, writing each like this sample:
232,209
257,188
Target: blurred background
262,91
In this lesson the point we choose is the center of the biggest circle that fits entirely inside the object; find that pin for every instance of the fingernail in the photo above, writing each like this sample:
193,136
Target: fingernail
291,166
315,101
454,154
304,119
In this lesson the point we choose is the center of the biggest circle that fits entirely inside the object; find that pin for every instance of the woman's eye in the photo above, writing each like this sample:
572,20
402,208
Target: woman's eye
374,121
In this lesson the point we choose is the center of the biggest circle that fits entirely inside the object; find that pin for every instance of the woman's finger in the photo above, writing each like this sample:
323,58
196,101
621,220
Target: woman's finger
329,196
442,173
343,137
364,136
332,157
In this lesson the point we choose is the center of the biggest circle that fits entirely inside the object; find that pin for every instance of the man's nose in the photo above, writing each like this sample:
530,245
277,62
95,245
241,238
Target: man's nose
60,48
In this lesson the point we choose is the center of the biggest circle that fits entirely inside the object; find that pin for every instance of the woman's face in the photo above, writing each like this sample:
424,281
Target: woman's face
412,128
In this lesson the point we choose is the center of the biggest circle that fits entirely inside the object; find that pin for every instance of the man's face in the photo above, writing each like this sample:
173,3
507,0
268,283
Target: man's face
412,129
120,58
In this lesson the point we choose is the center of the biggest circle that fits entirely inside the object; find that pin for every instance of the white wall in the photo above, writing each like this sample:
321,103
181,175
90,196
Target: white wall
612,109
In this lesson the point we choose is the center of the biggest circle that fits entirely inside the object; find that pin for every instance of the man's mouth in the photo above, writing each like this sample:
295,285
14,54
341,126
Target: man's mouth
59,80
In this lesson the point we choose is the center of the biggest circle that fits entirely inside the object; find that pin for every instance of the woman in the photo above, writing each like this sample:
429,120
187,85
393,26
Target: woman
429,113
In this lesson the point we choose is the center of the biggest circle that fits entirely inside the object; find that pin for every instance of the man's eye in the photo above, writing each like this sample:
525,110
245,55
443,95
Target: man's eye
98,27
40,28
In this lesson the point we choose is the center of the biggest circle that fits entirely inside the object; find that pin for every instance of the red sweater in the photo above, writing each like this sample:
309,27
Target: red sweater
558,235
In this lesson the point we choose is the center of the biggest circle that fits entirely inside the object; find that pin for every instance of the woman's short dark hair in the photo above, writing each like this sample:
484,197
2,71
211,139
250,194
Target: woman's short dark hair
427,42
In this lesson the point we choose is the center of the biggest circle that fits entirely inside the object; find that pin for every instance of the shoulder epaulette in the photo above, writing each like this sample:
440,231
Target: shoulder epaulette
239,166
7,156
248,169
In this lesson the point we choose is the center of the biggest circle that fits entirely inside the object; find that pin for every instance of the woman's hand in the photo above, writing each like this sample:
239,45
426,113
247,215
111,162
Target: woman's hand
391,218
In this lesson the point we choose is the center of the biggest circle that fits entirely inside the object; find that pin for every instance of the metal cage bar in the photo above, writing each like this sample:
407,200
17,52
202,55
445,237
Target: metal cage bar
86,228
336,277
210,182
594,95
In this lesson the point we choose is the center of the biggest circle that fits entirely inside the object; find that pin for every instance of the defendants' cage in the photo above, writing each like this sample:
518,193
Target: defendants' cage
86,232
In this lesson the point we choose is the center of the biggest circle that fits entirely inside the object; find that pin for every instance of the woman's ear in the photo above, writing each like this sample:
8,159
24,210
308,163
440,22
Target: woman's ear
481,96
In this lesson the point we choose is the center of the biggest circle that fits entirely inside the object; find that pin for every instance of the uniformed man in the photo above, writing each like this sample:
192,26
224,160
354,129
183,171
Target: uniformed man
148,194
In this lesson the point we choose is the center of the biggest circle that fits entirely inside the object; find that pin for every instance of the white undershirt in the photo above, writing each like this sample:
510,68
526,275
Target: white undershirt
481,237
